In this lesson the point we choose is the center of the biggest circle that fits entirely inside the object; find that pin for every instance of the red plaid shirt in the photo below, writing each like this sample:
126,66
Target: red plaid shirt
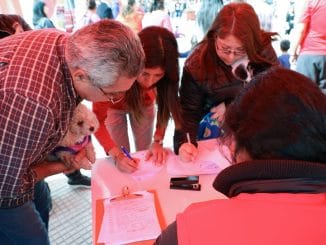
37,99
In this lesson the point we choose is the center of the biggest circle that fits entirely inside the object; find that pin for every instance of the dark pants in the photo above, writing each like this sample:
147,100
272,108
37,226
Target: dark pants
27,224
314,67
43,201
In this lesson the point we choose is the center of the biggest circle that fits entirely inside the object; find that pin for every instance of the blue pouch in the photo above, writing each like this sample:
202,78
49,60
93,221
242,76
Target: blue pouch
208,128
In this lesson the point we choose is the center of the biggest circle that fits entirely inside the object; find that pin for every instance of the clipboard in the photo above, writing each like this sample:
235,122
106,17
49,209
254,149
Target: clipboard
125,195
99,213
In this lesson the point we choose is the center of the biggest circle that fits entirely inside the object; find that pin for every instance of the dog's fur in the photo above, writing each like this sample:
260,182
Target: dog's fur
83,123
245,70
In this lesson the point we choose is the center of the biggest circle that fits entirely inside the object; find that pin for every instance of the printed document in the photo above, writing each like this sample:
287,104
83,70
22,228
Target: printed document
211,159
146,169
129,219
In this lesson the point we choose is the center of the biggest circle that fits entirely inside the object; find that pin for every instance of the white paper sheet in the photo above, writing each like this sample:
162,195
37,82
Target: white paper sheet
211,159
129,220
146,169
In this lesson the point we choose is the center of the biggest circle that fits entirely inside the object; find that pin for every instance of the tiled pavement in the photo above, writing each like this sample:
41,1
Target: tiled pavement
70,218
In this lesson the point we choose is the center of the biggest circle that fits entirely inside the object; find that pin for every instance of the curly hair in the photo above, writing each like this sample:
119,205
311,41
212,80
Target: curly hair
280,114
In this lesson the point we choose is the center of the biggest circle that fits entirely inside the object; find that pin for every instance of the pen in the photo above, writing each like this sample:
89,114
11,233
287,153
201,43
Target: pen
188,138
126,152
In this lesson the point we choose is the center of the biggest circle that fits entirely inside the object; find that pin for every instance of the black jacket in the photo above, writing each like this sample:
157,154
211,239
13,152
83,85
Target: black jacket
198,96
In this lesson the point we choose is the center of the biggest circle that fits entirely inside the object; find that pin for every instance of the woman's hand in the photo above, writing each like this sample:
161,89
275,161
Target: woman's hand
122,162
157,153
125,164
187,152
218,112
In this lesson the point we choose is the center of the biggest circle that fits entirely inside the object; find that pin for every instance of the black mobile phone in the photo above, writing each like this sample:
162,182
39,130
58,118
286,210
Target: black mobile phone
192,179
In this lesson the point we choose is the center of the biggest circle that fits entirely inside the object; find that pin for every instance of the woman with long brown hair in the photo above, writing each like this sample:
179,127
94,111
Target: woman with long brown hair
208,83
158,82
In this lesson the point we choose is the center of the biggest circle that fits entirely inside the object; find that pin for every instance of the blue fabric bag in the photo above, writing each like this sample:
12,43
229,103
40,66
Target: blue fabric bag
208,128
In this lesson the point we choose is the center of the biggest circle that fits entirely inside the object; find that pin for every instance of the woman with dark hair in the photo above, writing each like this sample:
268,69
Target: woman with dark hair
276,132
12,24
40,18
207,82
158,82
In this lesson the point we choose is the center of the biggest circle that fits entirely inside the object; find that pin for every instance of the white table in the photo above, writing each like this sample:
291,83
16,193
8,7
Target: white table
108,181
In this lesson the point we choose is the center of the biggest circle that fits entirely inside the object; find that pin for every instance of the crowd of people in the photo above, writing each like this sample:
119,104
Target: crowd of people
127,64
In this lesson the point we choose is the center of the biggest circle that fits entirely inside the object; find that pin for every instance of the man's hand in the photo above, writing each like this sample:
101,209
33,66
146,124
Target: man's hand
45,169
77,161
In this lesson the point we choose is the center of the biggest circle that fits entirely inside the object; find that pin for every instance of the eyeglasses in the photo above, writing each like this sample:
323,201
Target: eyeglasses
113,97
227,50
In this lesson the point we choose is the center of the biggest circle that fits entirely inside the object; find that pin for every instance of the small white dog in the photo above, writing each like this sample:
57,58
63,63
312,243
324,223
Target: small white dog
83,123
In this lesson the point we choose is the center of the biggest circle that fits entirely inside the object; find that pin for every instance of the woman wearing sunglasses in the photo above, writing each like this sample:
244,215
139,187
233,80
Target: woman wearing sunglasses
208,83
159,82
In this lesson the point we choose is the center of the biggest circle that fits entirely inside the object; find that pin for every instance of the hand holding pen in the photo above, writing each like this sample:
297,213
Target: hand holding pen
188,151
126,152
125,162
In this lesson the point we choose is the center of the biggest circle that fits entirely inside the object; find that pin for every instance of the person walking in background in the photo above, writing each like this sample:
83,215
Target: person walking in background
90,15
178,9
115,6
208,83
104,11
131,15
157,16
206,15
310,45
158,82
69,16
284,58
277,183
37,100
290,16
40,18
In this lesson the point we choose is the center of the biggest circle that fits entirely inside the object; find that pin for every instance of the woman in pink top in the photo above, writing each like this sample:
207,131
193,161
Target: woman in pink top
159,82
311,44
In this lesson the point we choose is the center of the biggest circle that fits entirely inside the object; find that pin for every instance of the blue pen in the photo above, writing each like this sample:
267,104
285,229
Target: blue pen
126,152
